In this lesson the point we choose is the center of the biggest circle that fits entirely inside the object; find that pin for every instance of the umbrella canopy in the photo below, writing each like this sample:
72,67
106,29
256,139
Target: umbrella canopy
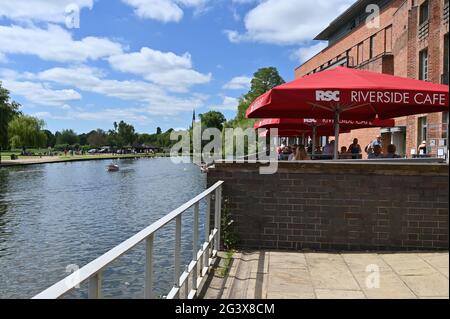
355,94
308,124
299,133
321,127
350,94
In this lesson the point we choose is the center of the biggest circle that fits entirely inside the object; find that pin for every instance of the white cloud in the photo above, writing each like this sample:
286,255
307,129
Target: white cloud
164,68
3,58
151,98
40,10
163,10
40,93
238,83
288,22
54,44
303,54
228,104
107,115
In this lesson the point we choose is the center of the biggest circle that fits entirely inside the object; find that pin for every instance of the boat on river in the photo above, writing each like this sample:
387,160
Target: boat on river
112,167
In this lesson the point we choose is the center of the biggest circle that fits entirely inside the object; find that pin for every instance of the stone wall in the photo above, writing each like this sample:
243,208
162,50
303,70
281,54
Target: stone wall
338,206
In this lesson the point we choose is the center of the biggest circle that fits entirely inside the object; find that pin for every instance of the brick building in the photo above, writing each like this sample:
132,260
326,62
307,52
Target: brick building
408,38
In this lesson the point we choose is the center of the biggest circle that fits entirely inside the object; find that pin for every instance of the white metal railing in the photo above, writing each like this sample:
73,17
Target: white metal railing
93,272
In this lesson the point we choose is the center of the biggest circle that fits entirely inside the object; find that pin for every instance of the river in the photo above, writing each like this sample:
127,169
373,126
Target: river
56,217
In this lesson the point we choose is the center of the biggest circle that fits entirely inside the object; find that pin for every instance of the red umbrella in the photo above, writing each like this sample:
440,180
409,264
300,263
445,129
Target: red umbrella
350,94
308,124
323,127
284,132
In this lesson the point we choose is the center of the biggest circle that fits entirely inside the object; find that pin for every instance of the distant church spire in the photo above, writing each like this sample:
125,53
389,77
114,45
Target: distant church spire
193,119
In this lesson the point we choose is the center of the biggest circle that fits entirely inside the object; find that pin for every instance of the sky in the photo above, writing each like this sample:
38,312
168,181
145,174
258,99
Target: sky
149,62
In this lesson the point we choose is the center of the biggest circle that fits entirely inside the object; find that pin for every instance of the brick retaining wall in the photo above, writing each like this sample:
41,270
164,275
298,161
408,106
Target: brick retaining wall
338,206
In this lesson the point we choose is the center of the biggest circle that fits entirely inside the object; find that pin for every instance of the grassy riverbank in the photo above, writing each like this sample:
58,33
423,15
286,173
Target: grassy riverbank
28,160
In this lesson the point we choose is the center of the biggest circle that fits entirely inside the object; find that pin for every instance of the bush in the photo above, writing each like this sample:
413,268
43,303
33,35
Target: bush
61,147
230,237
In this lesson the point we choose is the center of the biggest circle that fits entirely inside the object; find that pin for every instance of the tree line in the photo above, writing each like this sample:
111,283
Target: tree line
18,130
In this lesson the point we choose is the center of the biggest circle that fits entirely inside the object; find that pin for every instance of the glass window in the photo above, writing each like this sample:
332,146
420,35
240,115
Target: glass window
445,127
423,65
372,47
423,13
422,130
445,71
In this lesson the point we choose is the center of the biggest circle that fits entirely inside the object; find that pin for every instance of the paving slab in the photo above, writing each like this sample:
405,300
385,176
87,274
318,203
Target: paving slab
308,275
438,261
339,294
376,278
329,271
420,276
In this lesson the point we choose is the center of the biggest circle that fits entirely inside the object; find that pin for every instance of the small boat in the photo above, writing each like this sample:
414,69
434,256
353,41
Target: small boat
112,168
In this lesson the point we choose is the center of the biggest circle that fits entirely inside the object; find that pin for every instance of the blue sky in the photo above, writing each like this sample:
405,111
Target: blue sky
149,62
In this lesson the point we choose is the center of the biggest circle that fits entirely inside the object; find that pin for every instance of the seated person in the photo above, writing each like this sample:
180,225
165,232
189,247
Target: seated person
301,154
391,152
292,155
286,151
422,149
376,154
328,150
355,149
344,154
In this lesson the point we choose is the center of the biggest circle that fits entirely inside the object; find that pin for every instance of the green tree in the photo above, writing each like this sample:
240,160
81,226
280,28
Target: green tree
126,133
26,131
158,130
213,119
67,137
8,111
123,134
51,140
263,80
82,139
97,138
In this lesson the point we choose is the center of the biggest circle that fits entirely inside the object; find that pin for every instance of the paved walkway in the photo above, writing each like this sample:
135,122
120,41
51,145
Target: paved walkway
290,275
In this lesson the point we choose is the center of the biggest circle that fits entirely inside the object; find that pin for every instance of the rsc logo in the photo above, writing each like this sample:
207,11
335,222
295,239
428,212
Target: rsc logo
328,96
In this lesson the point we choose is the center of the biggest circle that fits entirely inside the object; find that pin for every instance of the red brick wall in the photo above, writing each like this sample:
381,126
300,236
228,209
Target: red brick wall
360,35
327,206
397,34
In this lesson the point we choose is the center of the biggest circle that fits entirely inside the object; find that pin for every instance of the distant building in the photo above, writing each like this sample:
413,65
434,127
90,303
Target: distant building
410,41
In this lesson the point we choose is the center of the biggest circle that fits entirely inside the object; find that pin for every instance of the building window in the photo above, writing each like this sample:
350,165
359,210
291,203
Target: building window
445,127
423,13
347,56
422,131
372,47
360,56
423,65
445,71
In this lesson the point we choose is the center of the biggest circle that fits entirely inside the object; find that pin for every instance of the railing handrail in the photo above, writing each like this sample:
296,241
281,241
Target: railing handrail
88,271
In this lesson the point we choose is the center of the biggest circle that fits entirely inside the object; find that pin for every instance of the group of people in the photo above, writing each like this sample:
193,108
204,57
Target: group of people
374,150
293,153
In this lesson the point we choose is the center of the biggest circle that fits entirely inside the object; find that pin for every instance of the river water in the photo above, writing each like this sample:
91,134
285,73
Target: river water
56,217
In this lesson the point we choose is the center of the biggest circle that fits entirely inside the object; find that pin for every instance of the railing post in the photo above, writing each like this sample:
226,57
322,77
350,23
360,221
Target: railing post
219,229
177,251
95,286
186,284
148,293
207,230
217,217
195,246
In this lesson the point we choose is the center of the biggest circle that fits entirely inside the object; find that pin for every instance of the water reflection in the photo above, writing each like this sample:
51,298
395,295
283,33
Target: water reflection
56,215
